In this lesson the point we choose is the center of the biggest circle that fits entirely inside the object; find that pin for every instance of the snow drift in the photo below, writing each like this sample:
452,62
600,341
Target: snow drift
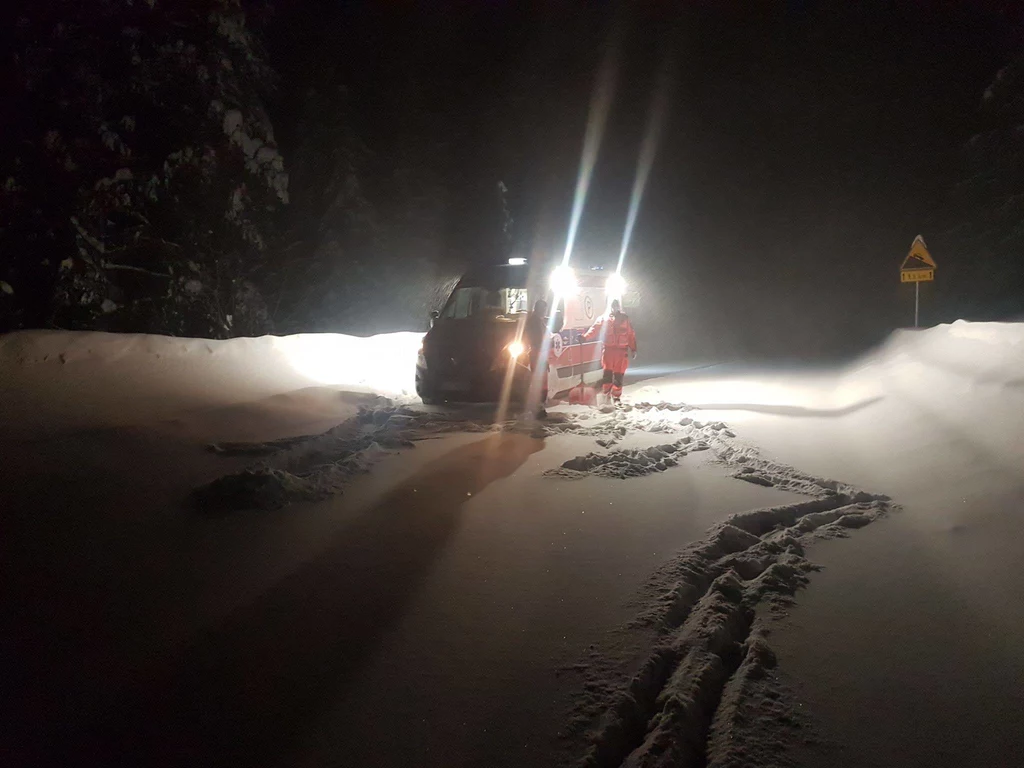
83,379
985,354
944,361
70,379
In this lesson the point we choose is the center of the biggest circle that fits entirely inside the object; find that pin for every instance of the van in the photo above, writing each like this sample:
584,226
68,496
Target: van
476,346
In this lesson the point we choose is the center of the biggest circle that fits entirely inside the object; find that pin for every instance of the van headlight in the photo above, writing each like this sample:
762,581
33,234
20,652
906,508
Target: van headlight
515,349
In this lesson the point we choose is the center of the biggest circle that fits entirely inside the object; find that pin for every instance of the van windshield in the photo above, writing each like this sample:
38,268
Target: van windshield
486,302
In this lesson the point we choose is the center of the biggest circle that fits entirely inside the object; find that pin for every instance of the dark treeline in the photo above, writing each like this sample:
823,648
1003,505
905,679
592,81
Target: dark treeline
227,168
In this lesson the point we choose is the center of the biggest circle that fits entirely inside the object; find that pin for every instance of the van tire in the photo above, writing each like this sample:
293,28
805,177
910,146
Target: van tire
428,395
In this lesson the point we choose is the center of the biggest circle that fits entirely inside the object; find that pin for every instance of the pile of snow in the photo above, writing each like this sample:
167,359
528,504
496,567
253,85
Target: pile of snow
982,354
610,425
624,462
946,361
71,379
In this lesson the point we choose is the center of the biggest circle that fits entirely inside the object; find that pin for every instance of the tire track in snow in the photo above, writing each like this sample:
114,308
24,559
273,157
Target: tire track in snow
312,467
705,695
710,612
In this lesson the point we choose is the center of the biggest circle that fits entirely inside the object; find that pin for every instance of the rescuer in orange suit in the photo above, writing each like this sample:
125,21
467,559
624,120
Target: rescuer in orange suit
619,345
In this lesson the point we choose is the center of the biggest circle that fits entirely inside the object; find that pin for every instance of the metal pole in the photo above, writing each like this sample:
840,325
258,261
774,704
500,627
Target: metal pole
917,293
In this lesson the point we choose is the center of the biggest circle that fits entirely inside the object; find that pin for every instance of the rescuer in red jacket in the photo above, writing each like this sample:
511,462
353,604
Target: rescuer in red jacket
619,344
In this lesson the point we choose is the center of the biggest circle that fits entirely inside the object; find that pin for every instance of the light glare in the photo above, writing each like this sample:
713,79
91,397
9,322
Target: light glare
563,280
597,117
387,361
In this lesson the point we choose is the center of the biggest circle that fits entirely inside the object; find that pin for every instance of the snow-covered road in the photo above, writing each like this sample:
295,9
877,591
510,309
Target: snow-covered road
532,595
438,613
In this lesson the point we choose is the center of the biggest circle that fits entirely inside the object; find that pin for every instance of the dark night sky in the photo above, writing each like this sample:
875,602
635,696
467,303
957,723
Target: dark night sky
806,144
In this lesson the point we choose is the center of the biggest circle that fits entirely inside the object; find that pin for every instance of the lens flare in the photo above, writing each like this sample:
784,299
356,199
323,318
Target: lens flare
648,148
597,117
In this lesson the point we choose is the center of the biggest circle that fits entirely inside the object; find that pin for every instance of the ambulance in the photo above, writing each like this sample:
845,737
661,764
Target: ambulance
476,350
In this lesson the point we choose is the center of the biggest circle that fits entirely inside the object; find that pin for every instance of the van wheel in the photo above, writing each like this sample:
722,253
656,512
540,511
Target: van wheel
428,395
424,390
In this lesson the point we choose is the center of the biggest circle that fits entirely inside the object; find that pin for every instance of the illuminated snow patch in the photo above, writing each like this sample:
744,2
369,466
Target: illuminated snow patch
384,363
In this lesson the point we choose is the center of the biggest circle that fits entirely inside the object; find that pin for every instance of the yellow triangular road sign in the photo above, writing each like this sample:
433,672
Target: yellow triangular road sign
918,255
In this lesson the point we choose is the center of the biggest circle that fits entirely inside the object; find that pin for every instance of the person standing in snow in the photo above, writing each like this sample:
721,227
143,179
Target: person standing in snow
619,345
534,331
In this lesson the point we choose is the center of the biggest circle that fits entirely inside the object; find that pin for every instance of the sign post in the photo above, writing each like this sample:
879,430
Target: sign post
918,267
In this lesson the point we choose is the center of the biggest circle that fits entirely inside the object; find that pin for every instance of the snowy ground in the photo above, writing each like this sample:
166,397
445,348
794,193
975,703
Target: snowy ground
229,553
908,646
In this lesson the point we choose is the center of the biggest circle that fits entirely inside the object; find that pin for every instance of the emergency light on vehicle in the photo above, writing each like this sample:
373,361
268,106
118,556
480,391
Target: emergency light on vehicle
563,280
616,285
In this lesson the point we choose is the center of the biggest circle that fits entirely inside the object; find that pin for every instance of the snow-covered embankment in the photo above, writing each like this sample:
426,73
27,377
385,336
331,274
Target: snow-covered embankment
64,380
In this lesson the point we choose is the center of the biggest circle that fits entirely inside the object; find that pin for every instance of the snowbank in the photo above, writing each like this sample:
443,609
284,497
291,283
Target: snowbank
986,354
65,379
946,361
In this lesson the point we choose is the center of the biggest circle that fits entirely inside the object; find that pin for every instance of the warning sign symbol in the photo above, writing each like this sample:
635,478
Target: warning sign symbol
918,258
919,266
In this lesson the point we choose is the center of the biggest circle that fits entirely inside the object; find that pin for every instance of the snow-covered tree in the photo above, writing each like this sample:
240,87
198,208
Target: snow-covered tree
989,202
141,178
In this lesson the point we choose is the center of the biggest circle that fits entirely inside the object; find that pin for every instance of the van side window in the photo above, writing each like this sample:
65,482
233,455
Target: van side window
468,302
516,301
